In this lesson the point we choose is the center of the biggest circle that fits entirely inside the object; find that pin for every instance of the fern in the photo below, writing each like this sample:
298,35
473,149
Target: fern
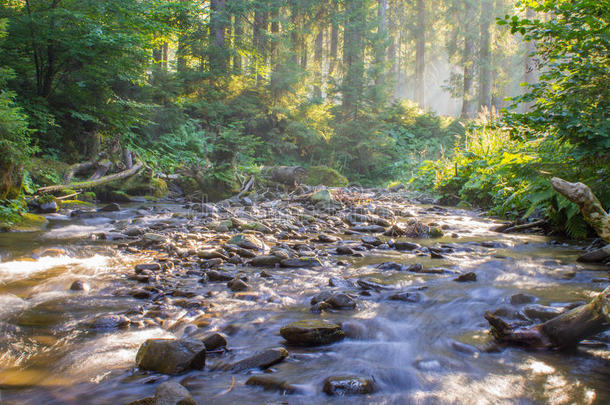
576,227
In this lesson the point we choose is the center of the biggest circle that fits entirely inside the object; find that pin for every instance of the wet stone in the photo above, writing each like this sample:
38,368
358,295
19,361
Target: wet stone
520,299
247,241
147,266
270,260
79,285
348,385
404,245
173,393
301,262
171,356
112,207
541,312
345,250
110,322
312,333
409,296
140,294
238,285
371,240
261,360
214,275
271,383
324,238
466,277
214,341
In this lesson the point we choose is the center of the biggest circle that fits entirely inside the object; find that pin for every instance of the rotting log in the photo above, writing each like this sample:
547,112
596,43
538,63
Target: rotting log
102,168
290,175
81,185
590,207
563,331
77,168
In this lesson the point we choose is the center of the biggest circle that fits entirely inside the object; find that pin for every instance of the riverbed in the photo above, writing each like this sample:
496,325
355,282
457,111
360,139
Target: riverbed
57,347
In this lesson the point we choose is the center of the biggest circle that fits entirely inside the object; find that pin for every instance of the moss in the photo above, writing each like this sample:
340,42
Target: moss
87,196
159,187
26,223
435,232
326,176
44,199
113,196
46,172
75,204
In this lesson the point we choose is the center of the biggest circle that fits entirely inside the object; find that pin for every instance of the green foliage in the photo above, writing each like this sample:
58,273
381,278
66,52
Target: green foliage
571,101
511,177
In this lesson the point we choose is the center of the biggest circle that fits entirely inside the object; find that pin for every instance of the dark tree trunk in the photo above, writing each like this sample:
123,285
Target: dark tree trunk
420,54
380,49
237,35
218,24
319,68
353,57
334,38
529,75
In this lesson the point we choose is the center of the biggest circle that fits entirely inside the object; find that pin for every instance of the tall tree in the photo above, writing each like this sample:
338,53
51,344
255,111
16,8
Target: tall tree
485,65
420,53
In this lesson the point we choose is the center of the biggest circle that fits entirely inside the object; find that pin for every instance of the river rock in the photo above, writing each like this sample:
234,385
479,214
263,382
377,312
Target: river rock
154,238
384,212
211,254
368,228
147,266
171,356
409,296
324,238
79,285
404,245
214,275
519,299
348,385
247,241
112,207
48,207
541,312
237,284
312,332
173,393
333,300
466,277
110,322
271,383
596,256
371,240
345,250
301,262
267,260
321,196
214,341
261,360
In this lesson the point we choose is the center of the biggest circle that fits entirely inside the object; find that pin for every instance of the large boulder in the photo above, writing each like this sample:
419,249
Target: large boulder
171,356
312,332
262,360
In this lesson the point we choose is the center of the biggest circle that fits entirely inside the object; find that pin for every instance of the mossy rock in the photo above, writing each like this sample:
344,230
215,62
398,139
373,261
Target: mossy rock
326,176
110,195
26,223
88,196
158,187
47,198
75,204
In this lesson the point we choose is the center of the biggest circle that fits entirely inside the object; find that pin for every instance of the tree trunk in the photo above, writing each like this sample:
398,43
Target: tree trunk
353,57
563,331
102,168
218,24
420,54
237,38
93,183
334,38
590,207
319,67
529,74
259,41
380,48
468,62
485,56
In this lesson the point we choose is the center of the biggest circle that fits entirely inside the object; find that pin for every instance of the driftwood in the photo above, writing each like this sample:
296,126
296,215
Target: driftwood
93,183
590,207
290,175
563,331
127,159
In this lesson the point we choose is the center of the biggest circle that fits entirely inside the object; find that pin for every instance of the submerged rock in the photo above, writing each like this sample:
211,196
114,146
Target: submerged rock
110,322
271,383
312,333
270,260
171,356
409,296
173,393
79,285
348,385
214,341
301,262
519,299
466,277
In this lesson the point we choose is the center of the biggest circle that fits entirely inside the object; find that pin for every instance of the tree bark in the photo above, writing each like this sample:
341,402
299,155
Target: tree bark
563,331
319,67
93,183
218,24
353,57
485,56
529,73
420,54
237,37
590,207
334,38
468,62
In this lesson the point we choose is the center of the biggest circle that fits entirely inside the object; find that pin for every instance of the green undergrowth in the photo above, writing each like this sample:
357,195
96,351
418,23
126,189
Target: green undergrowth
511,178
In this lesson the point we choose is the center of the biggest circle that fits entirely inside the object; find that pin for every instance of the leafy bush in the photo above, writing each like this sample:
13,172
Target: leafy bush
322,175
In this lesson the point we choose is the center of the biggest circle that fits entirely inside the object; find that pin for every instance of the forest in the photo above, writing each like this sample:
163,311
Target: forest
199,140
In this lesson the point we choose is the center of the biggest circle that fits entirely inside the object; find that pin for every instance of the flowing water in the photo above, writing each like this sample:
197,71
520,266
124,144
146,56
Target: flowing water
432,351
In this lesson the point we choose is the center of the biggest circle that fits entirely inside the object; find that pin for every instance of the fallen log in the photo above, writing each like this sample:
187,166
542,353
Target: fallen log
563,331
77,168
102,168
590,207
290,175
93,183
523,227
